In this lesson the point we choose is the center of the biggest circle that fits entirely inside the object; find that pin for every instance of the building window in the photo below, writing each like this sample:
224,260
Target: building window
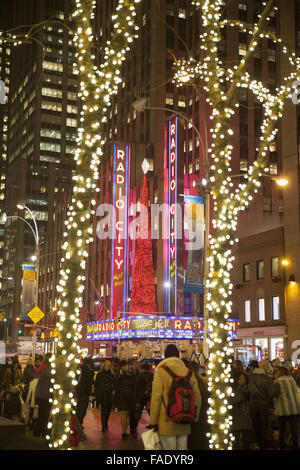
274,266
243,165
52,106
247,311
246,272
53,92
260,269
275,308
72,109
261,310
53,66
280,206
242,49
267,204
50,147
182,13
71,122
72,96
52,133
273,168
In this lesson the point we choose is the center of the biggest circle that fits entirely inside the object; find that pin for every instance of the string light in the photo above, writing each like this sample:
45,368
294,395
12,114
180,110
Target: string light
97,86
221,85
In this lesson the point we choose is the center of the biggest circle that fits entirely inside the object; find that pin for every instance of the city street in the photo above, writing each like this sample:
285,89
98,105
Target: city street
112,439
97,440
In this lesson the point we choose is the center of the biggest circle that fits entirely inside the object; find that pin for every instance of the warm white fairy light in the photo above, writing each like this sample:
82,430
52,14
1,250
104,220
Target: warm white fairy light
221,85
104,84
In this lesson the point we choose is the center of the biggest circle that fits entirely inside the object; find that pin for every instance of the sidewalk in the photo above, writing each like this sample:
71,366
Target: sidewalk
112,439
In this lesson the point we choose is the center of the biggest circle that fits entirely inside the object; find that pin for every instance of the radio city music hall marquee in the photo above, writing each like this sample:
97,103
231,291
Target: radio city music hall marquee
170,198
119,259
162,327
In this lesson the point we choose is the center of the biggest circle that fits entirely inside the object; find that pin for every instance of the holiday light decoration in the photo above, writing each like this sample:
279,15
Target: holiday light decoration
222,86
97,86
164,327
143,299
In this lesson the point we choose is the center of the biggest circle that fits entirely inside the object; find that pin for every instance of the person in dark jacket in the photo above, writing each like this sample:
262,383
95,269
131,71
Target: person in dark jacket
104,392
241,421
197,439
6,380
28,375
84,389
237,369
16,373
139,394
42,399
262,393
147,375
126,402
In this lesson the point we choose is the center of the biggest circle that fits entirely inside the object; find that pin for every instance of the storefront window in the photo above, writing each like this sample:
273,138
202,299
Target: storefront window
263,344
247,352
277,349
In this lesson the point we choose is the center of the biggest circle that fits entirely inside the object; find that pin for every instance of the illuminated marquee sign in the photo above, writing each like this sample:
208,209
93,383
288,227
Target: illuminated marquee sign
171,192
150,327
119,260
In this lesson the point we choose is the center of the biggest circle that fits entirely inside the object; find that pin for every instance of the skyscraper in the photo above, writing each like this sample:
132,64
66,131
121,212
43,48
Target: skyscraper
42,131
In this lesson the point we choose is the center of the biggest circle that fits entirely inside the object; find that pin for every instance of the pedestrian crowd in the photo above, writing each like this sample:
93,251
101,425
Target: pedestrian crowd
25,394
265,400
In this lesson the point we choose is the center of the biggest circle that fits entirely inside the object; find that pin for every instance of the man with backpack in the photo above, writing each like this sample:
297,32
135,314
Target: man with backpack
175,401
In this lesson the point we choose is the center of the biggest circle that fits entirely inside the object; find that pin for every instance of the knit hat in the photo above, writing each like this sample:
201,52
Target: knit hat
171,351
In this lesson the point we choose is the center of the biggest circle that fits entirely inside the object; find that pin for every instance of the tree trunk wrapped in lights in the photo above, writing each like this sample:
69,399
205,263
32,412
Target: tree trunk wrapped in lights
222,85
96,89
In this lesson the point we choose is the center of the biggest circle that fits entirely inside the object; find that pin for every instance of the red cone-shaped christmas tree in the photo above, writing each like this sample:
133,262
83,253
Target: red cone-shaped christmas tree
143,284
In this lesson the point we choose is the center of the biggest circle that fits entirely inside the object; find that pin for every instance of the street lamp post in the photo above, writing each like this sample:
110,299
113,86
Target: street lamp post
37,268
35,232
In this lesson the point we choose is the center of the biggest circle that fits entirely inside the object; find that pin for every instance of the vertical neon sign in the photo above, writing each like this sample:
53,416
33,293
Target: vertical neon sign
119,255
171,188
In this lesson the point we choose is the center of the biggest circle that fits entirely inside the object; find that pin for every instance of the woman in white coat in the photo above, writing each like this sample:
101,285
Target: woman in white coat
287,406
31,407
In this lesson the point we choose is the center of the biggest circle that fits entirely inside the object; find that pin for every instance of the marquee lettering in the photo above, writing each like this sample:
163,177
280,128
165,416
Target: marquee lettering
140,326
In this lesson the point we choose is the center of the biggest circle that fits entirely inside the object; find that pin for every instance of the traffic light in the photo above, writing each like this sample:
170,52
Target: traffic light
117,319
21,330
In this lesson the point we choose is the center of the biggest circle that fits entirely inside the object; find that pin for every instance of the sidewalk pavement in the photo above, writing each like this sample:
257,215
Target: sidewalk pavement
112,439
96,439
